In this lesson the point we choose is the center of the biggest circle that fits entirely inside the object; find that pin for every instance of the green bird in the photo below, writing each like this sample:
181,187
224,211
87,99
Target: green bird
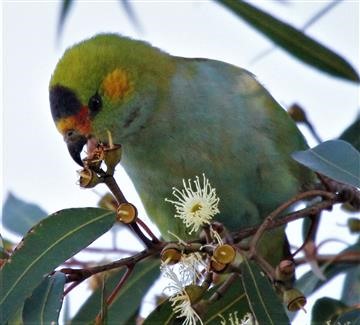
176,118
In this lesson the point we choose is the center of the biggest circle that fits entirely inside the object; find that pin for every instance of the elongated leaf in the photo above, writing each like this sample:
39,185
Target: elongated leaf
233,302
336,159
293,40
129,298
351,288
47,245
351,317
65,9
44,305
19,216
310,282
352,134
127,6
326,309
263,301
16,317
163,314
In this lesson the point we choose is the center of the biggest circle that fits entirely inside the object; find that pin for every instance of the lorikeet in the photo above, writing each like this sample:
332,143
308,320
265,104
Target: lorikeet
176,118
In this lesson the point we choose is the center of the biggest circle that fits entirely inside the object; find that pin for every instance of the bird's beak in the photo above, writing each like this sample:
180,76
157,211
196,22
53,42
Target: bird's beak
75,144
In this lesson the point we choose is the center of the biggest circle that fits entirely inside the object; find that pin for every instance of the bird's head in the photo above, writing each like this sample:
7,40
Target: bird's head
107,83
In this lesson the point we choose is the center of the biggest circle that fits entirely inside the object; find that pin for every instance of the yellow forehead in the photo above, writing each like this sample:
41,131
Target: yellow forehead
117,84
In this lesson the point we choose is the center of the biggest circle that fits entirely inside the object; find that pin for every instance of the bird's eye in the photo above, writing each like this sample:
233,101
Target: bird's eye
95,103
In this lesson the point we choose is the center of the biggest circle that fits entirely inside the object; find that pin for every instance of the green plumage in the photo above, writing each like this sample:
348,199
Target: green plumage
186,117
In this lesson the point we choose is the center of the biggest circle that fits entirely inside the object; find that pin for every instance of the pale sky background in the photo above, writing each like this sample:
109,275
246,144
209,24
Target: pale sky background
35,162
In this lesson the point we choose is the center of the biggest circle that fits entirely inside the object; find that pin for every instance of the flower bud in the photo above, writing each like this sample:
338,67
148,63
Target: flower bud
294,299
88,178
126,213
297,113
285,271
170,254
224,254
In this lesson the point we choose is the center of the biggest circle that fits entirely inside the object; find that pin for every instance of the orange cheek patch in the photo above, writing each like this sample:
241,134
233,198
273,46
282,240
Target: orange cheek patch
79,122
117,84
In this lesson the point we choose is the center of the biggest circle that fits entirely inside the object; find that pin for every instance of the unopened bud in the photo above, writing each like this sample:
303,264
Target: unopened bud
354,225
297,113
285,271
224,254
88,178
294,299
171,254
126,213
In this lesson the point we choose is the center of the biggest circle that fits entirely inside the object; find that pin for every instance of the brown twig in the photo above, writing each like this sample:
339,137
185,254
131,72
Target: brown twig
270,223
71,287
277,212
111,183
346,257
115,189
144,226
311,234
118,287
79,275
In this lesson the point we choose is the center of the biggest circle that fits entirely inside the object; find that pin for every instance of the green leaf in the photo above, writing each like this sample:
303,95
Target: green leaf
336,159
233,301
293,40
351,317
351,287
131,14
263,301
19,216
129,298
47,245
352,134
16,317
326,309
65,9
310,282
162,314
44,305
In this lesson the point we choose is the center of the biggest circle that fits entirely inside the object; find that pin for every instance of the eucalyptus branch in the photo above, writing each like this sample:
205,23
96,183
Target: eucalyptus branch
277,212
270,222
111,183
82,274
121,283
346,257
310,236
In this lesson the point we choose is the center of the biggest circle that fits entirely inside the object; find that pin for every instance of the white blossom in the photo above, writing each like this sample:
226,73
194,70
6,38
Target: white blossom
179,299
233,319
195,206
